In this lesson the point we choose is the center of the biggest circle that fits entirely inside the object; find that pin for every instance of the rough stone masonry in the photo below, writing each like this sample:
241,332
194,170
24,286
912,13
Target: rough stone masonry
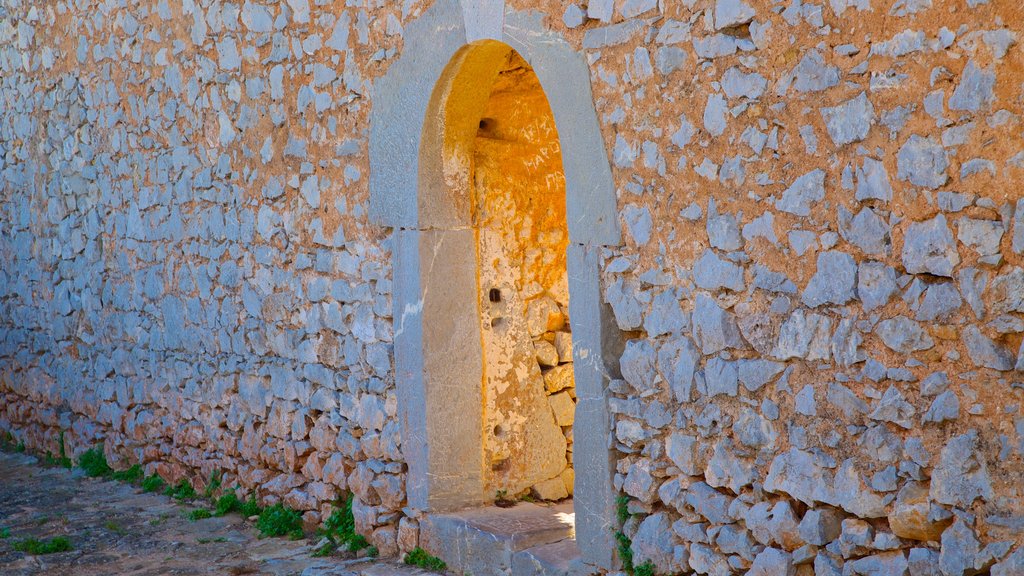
821,285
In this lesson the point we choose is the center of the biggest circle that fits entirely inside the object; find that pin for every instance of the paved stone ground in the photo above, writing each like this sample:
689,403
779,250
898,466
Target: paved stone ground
115,528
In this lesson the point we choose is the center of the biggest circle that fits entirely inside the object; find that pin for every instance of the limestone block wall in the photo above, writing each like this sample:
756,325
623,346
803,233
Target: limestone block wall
821,283
186,271
820,287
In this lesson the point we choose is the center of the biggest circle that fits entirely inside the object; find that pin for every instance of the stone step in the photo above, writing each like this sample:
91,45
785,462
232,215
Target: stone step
546,560
483,541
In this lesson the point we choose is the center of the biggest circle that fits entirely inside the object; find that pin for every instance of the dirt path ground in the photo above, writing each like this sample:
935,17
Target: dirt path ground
115,529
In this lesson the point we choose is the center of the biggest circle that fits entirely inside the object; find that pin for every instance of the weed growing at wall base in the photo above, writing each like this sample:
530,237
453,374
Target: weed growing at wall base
153,483
278,520
94,463
181,491
419,557
340,532
624,544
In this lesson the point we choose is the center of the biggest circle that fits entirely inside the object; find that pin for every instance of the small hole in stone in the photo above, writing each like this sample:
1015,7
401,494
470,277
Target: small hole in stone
499,431
487,124
498,323
494,295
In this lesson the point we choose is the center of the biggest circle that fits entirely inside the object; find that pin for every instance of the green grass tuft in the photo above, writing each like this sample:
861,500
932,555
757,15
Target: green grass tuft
132,475
115,528
279,520
153,483
622,508
213,485
645,569
38,547
227,504
5,533
419,557
251,507
181,491
625,547
94,463
340,531
199,514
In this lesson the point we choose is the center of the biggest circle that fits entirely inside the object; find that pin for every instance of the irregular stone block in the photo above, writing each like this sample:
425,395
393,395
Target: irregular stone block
834,281
911,515
903,335
922,162
961,476
803,193
850,121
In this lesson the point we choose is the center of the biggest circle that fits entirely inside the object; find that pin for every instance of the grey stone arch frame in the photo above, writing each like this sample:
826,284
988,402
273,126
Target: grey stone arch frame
438,364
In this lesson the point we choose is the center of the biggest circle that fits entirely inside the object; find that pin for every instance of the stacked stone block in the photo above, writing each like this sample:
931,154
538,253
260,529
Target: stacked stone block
548,324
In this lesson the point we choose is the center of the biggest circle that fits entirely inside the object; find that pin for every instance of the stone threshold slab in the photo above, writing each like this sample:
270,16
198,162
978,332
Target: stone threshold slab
525,540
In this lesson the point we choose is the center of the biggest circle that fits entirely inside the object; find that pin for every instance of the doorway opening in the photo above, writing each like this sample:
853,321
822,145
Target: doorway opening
518,212
491,176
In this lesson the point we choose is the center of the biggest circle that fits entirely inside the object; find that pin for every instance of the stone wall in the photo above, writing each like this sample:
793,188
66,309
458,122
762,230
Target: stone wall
821,284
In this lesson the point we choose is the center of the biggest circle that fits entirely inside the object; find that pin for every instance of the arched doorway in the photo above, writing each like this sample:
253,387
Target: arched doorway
491,152
424,165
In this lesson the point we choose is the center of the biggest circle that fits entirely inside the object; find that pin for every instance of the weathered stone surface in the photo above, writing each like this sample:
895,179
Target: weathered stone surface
903,335
961,475
653,543
945,407
894,563
834,281
922,161
637,365
928,247
714,328
558,378
876,283
873,181
1012,564
686,453
850,493
677,362
803,193
712,273
985,352
867,231
563,408
850,121
974,89
723,229
941,301
773,562
797,473
893,407
804,336
820,526
727,469
911,515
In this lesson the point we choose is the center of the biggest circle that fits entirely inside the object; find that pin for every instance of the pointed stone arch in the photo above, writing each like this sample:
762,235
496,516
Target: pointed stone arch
437,357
